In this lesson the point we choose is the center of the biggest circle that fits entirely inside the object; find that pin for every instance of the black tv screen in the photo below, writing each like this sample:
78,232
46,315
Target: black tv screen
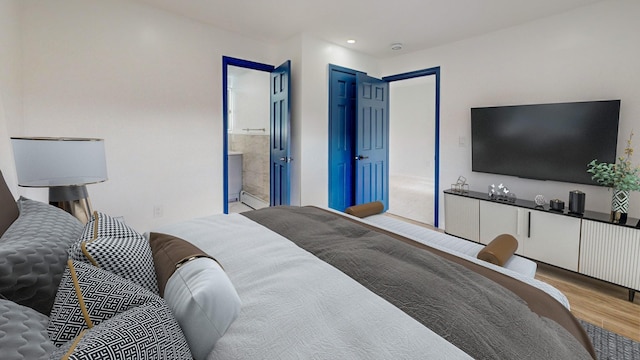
544,141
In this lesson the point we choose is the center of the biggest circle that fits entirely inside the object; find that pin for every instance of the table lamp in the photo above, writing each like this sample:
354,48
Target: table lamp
65,166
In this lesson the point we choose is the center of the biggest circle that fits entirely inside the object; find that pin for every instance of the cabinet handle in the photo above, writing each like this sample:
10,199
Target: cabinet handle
518,211
529,225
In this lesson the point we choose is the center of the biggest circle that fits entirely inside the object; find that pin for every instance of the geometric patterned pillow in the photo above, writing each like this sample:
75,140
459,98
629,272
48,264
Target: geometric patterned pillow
146,332
102,225
88,296
111,245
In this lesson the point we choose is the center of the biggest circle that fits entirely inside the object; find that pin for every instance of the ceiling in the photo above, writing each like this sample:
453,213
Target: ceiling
375,24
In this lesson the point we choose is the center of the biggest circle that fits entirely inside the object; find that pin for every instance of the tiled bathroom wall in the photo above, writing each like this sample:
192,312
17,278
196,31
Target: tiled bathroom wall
255,162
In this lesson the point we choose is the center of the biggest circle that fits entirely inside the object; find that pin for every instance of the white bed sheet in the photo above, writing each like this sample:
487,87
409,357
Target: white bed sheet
295,306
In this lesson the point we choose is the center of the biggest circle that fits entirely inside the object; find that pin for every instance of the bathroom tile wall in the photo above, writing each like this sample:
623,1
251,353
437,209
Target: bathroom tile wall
255,162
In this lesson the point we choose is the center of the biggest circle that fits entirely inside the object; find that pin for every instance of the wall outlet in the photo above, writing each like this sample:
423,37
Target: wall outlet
158,211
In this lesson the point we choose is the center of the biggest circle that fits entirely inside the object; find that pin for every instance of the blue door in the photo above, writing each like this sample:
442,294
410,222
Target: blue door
341,138
371,140
280,157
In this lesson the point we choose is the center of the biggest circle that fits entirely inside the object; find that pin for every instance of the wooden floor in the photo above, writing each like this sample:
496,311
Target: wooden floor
598,302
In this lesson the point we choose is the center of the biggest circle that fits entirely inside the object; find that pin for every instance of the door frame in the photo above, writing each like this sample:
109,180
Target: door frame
226,62
434,71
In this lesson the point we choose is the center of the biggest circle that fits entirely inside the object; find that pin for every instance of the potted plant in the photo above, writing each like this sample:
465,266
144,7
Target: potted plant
622,177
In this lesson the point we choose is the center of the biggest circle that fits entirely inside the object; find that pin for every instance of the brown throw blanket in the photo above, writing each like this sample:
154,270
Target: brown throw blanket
486,314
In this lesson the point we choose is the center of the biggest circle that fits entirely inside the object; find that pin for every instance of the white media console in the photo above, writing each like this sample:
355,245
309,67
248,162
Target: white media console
588,244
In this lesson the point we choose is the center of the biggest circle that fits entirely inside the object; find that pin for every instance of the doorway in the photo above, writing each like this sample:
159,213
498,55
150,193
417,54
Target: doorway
411,148
358,139
256,128
248,139
341,137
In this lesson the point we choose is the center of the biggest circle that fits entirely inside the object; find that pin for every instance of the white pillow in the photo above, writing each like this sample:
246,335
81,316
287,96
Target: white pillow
204,301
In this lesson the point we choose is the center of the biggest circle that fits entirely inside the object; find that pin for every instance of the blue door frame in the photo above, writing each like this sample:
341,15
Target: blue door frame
226,62
434,71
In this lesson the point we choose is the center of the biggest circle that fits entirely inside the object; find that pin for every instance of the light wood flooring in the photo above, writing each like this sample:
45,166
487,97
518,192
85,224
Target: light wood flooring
598,302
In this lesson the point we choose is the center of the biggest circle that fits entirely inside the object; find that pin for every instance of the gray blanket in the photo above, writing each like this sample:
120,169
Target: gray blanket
482,318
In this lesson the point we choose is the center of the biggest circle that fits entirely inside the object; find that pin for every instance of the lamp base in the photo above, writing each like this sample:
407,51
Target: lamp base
73,199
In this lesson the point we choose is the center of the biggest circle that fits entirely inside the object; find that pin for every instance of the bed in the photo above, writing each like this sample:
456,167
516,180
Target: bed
310,284
301,290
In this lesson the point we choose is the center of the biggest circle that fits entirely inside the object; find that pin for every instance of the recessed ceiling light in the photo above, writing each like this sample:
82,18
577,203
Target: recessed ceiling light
351,41
396,46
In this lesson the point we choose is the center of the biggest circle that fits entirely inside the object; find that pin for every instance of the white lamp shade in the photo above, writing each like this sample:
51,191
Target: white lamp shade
47,162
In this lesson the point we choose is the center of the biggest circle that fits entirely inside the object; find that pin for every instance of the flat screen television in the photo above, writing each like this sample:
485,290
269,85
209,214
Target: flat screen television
544,141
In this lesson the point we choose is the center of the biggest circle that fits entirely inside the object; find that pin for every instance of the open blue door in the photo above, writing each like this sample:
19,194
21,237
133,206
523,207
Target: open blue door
342,100
372,140
280,134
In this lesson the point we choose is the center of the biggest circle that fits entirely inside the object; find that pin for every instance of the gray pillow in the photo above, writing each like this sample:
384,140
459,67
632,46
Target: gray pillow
33,254
23,333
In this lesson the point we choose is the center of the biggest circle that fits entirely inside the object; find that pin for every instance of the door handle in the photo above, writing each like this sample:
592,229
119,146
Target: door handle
361,157
286,159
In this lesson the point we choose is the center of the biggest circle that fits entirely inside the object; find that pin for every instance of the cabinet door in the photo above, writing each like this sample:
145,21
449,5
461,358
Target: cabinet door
497,219
461,216
610,252
553,239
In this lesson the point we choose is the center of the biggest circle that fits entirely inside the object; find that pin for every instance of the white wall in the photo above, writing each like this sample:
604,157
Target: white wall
149,82
587,54
292,50
146,81
251,101
412,127
10,93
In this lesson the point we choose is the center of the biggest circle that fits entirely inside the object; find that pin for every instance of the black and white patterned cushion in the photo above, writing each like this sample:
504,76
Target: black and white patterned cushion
107,226
146,332
104,293
113,246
